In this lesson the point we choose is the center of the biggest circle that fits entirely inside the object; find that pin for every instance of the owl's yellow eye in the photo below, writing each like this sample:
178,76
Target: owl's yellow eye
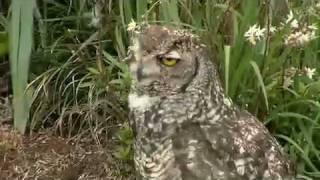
169,62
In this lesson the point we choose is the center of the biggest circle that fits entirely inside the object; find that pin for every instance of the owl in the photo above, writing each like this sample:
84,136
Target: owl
185,126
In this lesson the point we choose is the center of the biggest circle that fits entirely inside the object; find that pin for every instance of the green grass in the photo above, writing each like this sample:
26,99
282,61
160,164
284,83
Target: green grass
80,84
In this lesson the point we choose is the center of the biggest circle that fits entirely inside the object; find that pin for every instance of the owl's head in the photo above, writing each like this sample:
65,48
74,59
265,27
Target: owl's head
167,61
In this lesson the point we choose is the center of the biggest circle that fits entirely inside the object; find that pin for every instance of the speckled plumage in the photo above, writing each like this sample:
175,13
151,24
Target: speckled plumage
185,127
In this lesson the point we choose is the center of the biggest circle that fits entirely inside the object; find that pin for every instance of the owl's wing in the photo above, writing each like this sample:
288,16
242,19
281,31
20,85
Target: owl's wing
247,146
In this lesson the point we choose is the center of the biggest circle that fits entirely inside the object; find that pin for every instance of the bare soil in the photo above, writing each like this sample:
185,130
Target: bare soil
44,156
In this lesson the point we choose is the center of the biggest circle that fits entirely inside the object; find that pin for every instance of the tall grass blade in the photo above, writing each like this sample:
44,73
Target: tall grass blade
260,80
20,50
226,66
142,6
170,12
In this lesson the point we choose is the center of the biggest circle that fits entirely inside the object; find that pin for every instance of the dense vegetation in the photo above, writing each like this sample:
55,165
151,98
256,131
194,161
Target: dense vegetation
268,53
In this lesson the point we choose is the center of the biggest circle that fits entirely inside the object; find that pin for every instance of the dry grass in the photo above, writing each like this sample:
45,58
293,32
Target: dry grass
44,156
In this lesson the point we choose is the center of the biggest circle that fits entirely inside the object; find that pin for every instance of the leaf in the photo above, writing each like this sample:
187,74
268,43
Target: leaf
21,39
298,116
169,10
4,43
296,145
226,66
260,80
93,70
142,6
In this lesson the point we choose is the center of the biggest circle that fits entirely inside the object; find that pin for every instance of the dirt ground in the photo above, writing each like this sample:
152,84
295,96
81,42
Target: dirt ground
44,156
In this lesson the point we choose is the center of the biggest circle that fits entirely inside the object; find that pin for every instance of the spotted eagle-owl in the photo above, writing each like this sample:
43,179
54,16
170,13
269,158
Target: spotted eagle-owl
185,127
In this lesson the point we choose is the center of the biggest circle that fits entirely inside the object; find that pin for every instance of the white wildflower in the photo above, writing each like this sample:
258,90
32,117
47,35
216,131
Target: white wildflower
299,34
94,22
289,73
254,34
293,22
309,72
132,25
272,29
300,38
313,27
287,82
290,17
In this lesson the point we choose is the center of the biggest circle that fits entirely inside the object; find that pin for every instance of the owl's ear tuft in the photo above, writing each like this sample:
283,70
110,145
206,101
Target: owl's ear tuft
154,36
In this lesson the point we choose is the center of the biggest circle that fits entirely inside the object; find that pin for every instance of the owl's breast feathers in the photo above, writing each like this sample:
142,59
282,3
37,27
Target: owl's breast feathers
189,138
